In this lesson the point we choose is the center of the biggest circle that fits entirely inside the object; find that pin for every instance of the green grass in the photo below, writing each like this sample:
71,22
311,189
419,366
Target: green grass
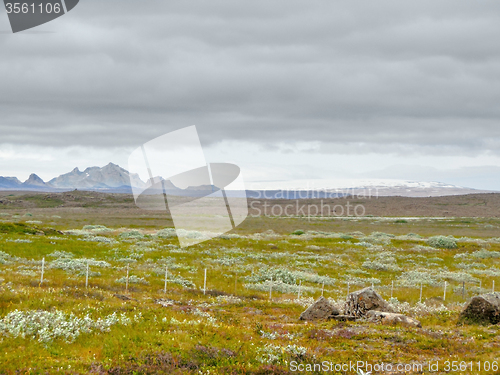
16,228
42,200
228,329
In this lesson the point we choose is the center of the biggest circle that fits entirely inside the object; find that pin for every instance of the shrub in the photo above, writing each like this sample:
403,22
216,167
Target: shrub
298,232
16,228
415,278
192,234
132,234
442,242
166,233
346,237
360,281
20,241
276,273
5,258
50,325
313,247
364,244
101,239
485,254
79,266
458,277
276,354
97,228
61,254
132,280
179,280
279,286
378,266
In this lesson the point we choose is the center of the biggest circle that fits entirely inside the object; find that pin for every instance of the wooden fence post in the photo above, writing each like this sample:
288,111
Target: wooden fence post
166,279
87,276
43,269
205,283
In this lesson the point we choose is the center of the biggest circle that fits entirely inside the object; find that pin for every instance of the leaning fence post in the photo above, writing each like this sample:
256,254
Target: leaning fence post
392,287
87,276
322,289
444,293
166,279
480,286
298,294
420,293
348,288
463,289
43,269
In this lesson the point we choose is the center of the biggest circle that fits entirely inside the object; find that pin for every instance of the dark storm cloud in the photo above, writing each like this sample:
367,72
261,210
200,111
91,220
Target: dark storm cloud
367,76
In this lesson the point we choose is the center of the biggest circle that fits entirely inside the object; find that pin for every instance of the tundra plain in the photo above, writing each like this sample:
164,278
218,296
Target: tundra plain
260,277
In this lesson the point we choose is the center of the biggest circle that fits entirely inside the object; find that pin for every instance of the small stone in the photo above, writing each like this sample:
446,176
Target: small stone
122,297
392,319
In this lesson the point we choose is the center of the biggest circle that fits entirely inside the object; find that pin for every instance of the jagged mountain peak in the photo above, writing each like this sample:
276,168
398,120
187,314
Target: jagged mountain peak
34,180
109,176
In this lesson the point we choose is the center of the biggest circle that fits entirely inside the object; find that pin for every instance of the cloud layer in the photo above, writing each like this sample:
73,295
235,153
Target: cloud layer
351,77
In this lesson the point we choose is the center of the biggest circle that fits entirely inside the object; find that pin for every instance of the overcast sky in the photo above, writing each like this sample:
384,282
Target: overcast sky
286,89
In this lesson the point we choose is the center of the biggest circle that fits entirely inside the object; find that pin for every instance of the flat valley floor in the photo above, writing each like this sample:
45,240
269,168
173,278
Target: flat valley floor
119,296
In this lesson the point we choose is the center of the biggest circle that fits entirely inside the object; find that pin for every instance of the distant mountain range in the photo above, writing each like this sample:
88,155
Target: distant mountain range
115,179
111,176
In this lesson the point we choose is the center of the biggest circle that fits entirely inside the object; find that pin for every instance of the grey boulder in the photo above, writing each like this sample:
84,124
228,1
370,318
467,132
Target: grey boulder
483,309
321,309
367,299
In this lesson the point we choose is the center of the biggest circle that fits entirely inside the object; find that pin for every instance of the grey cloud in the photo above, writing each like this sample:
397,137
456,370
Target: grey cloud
363,75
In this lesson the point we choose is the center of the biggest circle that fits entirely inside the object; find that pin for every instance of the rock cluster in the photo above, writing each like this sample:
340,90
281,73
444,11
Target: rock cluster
362,304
